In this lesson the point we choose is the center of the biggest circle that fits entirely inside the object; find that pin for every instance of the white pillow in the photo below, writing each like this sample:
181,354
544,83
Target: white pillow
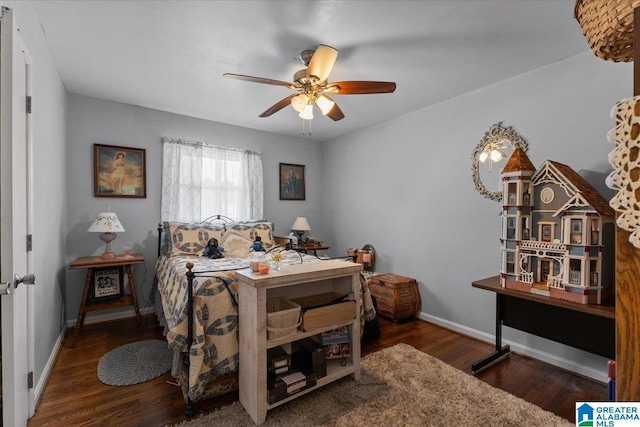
236,246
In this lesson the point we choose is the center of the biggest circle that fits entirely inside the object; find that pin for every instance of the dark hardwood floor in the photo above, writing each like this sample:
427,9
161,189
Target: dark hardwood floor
75,397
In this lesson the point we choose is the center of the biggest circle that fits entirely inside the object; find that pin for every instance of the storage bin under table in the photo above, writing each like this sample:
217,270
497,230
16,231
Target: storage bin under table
397,296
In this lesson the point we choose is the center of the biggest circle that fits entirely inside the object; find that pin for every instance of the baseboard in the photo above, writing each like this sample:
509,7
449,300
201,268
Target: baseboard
46,372
549,358
99,317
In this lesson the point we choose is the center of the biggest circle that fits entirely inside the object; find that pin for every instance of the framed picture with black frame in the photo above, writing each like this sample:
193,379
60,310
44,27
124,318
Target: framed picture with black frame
119,171
107,284
292,182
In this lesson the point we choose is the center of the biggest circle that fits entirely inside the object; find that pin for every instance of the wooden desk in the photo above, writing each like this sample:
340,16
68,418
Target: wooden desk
588,327
93,262
314,249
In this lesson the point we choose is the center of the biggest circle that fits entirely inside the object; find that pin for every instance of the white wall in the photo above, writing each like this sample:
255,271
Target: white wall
405,185
50,196
92,120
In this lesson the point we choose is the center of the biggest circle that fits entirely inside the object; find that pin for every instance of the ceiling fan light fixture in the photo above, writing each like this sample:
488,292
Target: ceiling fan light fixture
322,62
483,156
496,155
307,113
325,104
298,102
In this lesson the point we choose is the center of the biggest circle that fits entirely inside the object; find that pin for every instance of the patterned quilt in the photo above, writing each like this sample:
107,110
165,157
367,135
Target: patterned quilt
215,328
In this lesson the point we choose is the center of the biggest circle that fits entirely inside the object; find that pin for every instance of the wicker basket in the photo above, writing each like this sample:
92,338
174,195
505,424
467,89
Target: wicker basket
283,317
608,27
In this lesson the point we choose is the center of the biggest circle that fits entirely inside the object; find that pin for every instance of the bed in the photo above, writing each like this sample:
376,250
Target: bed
196,299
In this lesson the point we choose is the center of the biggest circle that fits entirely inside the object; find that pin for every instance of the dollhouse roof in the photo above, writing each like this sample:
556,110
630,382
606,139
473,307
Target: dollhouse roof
588,193
519,161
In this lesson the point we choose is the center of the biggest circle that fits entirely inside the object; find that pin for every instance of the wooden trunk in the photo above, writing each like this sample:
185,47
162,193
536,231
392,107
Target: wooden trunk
397,296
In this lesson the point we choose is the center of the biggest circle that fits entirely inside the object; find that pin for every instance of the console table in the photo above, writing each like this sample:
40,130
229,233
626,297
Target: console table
588,327
292,281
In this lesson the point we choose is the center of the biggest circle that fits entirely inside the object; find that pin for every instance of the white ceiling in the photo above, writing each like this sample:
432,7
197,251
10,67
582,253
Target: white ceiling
171,55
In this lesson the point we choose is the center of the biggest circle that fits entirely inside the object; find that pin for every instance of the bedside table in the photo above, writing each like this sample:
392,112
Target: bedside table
93,262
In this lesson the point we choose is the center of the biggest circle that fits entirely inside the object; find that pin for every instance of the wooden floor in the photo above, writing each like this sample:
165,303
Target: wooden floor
75,397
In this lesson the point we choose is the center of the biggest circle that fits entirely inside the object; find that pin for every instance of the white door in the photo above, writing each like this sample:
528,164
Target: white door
15,222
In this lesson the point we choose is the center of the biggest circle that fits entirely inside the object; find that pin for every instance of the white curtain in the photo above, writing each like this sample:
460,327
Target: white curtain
200,180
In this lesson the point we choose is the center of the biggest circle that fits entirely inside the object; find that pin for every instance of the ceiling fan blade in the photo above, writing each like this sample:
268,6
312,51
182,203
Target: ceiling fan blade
260,80
277,106
360,87
322,62
335,113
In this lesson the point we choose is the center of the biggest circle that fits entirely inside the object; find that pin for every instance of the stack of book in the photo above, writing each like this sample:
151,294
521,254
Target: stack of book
336,343
283,379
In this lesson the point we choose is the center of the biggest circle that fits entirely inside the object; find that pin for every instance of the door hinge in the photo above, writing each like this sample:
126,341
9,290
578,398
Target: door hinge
29,242
30,379
28,105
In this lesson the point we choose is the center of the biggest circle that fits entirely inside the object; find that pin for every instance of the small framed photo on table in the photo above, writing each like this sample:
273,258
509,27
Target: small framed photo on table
108,283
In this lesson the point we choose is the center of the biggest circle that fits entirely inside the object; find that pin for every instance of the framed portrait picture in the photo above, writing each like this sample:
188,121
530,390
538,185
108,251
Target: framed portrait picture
292,182
119,171
108,283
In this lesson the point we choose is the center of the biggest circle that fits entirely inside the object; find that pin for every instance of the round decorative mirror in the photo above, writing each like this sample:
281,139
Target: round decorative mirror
490,156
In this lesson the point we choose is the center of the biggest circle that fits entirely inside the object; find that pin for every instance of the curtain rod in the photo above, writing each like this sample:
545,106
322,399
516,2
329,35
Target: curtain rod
179,141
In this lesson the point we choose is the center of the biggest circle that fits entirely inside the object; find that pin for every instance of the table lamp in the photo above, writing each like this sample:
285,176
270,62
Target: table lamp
108,224
300,225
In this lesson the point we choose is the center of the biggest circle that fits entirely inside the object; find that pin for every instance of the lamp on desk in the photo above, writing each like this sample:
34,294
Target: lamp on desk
108,224
299,226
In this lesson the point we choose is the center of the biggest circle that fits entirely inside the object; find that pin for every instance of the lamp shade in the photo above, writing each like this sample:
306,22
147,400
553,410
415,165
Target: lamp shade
301,224
106,222
325,104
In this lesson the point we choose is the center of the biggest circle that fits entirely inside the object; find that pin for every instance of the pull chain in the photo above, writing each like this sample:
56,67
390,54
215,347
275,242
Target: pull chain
303,129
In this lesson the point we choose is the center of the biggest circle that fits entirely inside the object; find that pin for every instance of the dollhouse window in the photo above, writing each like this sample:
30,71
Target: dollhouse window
574,271
511,262
545,232
576,231
525,228
512,194
511,227
595,232
526,195
593,273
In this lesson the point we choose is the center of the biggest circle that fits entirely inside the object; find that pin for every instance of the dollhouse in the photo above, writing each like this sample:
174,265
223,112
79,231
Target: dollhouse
557,233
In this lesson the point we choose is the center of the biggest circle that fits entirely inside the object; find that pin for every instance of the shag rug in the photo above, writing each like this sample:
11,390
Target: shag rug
399,386
135,363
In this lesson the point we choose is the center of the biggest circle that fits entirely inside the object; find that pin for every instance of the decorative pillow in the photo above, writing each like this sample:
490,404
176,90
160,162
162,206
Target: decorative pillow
251,230
236,246
191,239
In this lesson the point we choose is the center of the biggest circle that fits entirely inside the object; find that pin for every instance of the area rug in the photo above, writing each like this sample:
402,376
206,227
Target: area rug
399,386
135,363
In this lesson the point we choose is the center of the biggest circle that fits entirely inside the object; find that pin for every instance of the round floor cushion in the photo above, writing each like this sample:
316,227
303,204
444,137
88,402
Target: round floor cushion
135,363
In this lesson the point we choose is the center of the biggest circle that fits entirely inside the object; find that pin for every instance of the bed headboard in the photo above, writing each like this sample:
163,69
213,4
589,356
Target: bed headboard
213,219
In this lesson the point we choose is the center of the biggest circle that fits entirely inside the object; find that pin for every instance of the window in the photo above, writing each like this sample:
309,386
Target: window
576,231
511,262
525,228
511,227
526,196
512,188
575,269
595,232
200,180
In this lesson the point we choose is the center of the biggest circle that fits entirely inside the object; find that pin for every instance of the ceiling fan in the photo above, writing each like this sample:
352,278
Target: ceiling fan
312,87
